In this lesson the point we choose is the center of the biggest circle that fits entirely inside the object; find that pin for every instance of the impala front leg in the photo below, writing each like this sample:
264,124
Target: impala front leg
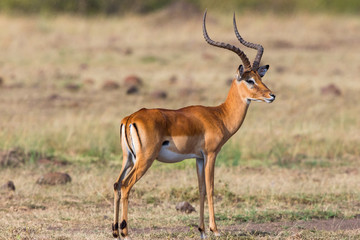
202,191
209,180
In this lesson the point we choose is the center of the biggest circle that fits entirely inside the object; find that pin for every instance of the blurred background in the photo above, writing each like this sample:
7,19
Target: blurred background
121,7
71,70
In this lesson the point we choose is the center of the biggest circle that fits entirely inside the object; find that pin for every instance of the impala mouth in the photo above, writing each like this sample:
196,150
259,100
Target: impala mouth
269,100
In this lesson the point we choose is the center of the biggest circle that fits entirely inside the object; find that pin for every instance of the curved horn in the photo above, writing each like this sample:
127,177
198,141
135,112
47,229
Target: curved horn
258,47
232,48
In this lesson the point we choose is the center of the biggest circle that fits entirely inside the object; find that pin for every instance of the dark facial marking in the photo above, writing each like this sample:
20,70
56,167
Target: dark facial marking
166,143
115,186
123,234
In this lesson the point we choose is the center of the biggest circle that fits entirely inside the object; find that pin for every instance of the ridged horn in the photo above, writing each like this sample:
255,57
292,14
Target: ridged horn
258,47
227,46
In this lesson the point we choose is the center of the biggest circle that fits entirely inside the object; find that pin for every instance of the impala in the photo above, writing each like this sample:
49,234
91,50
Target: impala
192,132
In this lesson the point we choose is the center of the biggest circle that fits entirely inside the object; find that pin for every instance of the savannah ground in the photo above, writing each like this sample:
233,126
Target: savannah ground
292,170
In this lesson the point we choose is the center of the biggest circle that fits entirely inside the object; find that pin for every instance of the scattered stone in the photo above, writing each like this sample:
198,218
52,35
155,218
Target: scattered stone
1,81
185,207
110,85
73,87
132,90
128,51
331,89
159,94
132,80
53,97
8,186
54,178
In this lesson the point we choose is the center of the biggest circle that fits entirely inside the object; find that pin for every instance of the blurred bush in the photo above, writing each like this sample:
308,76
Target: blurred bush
119,7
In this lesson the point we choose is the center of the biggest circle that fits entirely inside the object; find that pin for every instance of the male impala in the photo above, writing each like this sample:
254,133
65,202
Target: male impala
192,132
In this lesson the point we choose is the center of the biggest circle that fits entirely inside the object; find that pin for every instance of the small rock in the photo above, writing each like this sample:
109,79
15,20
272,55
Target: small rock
128,51
54,178
8,186
132,90
1,81
110,85
132,80
331,89
53,97
72,87
159,94
185,207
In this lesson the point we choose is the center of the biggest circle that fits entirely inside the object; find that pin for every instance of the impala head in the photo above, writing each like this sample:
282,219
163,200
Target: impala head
248,78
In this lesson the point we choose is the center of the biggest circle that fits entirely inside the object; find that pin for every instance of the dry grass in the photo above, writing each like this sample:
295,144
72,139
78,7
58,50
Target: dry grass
83,209
294,159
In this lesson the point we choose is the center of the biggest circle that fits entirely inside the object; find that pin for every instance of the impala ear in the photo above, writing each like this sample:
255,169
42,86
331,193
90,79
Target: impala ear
262,70
240,72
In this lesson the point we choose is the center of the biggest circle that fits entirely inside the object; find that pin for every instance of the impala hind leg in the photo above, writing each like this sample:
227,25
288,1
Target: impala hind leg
209,182
126,167
141,166
202,191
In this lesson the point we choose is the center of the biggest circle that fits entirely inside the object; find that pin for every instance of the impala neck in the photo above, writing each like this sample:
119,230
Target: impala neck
234,109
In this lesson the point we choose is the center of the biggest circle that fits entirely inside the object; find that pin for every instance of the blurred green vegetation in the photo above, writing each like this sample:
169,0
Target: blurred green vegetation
120,7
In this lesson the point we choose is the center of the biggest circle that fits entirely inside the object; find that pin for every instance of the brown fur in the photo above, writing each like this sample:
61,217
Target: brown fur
195,130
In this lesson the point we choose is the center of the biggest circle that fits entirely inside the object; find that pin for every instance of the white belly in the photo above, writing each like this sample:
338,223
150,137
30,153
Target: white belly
168,156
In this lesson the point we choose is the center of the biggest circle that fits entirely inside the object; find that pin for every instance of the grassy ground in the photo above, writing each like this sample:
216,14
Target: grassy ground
296,159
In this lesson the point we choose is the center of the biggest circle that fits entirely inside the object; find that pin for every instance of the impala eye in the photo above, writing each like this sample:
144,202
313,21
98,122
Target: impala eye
250,81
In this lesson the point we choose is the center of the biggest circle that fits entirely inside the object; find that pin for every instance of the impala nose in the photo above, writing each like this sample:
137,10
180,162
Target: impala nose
271,99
